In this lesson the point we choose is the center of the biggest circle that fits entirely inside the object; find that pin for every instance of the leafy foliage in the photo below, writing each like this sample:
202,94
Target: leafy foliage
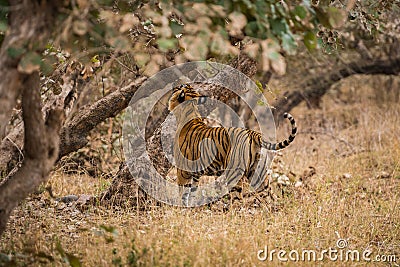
158,34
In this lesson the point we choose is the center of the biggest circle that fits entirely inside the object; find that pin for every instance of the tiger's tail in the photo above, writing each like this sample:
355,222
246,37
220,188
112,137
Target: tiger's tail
285,143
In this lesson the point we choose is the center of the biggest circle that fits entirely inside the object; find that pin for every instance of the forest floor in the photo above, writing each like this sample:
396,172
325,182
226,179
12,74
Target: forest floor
343,200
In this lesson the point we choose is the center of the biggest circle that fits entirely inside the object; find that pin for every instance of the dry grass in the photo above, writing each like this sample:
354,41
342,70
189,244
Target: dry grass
354,195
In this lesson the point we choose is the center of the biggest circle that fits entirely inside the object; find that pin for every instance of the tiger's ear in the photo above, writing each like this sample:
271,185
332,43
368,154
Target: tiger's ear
181,97
201,100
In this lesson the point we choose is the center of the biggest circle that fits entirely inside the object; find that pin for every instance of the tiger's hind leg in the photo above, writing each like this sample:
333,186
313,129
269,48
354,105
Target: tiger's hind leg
258,173
237,163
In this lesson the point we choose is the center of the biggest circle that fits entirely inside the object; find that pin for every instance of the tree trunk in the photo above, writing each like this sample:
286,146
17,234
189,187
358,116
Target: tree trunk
41,149
30,22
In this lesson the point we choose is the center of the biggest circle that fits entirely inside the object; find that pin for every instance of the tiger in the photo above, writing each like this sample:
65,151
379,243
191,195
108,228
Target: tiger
200,149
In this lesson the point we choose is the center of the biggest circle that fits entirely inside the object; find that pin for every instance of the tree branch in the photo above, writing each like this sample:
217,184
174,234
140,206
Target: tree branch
74,133
316,87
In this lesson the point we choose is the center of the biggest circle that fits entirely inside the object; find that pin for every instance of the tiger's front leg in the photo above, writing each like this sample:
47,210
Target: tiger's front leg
187,186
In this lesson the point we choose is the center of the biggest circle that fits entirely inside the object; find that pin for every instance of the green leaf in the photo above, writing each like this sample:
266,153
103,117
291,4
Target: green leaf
278,64
123,6
261,5
247,3
289,44
147,23
7,260
197,46
278,26
175,27
50,47
4,9
166,44
260,88
251,29
30,63
99,30
310,40
280,10
15,52
218,45
95,59
300,12
331,18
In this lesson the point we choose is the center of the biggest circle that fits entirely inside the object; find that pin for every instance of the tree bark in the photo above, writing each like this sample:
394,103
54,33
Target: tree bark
74,133
11,148
40,152
28,21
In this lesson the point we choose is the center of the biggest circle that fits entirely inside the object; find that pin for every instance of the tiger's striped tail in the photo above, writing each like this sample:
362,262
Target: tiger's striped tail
285,143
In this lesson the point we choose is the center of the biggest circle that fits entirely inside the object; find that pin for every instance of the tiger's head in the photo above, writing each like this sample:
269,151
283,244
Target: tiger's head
182,93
